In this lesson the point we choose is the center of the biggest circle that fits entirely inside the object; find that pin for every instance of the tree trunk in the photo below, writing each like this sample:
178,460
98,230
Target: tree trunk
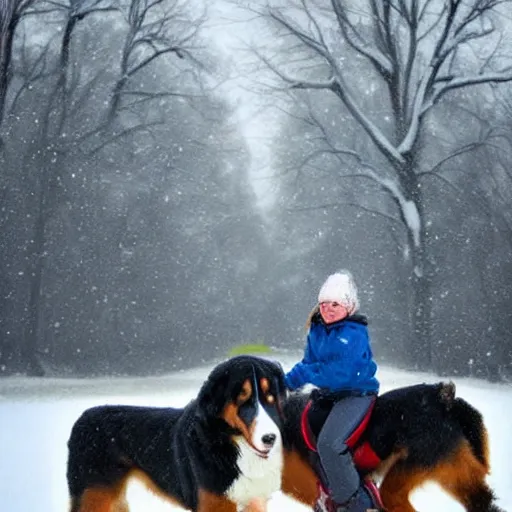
36,257
6,38
421,343
420,354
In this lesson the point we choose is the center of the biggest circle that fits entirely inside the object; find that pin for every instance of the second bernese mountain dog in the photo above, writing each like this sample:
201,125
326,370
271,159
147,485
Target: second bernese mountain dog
215,455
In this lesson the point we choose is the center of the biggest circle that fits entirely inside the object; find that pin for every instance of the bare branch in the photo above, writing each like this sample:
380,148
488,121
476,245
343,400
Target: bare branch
10,16
308,41
148,39
461,151
295,83
367,170
335,83
30,73
434,25
339,204
412,45
381,61
466,81
122,134
380,140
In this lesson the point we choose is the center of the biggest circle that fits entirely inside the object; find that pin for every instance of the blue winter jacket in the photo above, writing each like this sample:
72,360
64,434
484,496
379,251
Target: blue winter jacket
338,357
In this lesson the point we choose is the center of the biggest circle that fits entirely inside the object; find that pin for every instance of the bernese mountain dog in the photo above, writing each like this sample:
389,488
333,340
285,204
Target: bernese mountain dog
218,453
410,436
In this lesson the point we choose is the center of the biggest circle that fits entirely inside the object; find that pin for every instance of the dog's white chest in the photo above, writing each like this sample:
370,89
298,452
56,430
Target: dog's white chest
259,478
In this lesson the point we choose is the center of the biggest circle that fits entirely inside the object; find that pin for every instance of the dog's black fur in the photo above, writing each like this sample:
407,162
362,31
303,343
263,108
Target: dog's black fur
182,452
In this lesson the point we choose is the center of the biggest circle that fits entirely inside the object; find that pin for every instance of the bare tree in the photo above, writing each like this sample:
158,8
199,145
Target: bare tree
155,28
65,127
418,52
11,12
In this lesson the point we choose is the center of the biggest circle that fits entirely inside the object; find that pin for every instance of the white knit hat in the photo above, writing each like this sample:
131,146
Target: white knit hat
340,287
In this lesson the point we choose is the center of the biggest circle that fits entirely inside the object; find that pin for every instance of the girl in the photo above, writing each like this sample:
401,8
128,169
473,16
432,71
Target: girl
338,359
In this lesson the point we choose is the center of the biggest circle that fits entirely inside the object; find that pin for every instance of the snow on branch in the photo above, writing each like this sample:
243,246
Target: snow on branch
378,137
466,81
336,83
408,209
295,82
417,111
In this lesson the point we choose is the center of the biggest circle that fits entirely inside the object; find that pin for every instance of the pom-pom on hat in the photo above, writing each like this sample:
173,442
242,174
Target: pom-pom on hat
340,287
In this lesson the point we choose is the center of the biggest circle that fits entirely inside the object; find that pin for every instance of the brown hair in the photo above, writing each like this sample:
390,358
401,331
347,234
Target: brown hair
313,312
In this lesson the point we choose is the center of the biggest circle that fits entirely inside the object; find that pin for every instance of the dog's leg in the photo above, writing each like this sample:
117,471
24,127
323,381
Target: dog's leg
121,505
209,502
298,479
396,487
463,476
100,499
75,505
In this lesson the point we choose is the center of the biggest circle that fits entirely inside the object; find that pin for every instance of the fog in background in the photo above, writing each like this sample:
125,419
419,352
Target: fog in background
178,177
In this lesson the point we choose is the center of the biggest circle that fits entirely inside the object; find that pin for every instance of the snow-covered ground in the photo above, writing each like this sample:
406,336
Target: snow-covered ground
36,416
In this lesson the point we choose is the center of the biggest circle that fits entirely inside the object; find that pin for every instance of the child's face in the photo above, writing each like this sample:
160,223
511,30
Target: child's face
332,312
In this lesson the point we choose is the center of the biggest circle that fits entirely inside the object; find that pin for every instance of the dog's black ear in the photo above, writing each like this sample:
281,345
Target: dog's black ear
279,380
205,403
210,399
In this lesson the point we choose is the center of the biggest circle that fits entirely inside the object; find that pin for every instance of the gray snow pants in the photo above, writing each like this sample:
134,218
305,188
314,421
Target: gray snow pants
342,477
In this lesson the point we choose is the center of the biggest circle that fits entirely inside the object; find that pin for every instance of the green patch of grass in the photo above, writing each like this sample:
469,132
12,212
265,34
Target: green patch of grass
248,349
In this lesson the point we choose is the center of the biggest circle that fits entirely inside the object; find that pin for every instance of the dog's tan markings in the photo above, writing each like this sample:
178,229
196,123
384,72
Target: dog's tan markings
461,475
265,388
101,499
230,412
385,466
113,499
245,393
298,479
397,486
209,502
230,416
256,505
121,506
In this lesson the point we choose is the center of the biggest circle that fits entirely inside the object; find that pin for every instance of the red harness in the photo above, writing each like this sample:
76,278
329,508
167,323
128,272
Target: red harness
363,454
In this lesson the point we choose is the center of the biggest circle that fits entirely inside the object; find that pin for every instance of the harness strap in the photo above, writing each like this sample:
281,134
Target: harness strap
305,429
372,488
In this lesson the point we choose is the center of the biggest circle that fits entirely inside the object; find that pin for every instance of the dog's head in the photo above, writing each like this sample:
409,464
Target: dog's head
246,392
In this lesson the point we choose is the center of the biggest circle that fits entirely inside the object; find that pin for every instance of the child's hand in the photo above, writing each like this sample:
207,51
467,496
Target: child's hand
293,378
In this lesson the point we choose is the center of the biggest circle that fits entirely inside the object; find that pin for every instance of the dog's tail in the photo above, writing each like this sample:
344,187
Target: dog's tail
470,421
